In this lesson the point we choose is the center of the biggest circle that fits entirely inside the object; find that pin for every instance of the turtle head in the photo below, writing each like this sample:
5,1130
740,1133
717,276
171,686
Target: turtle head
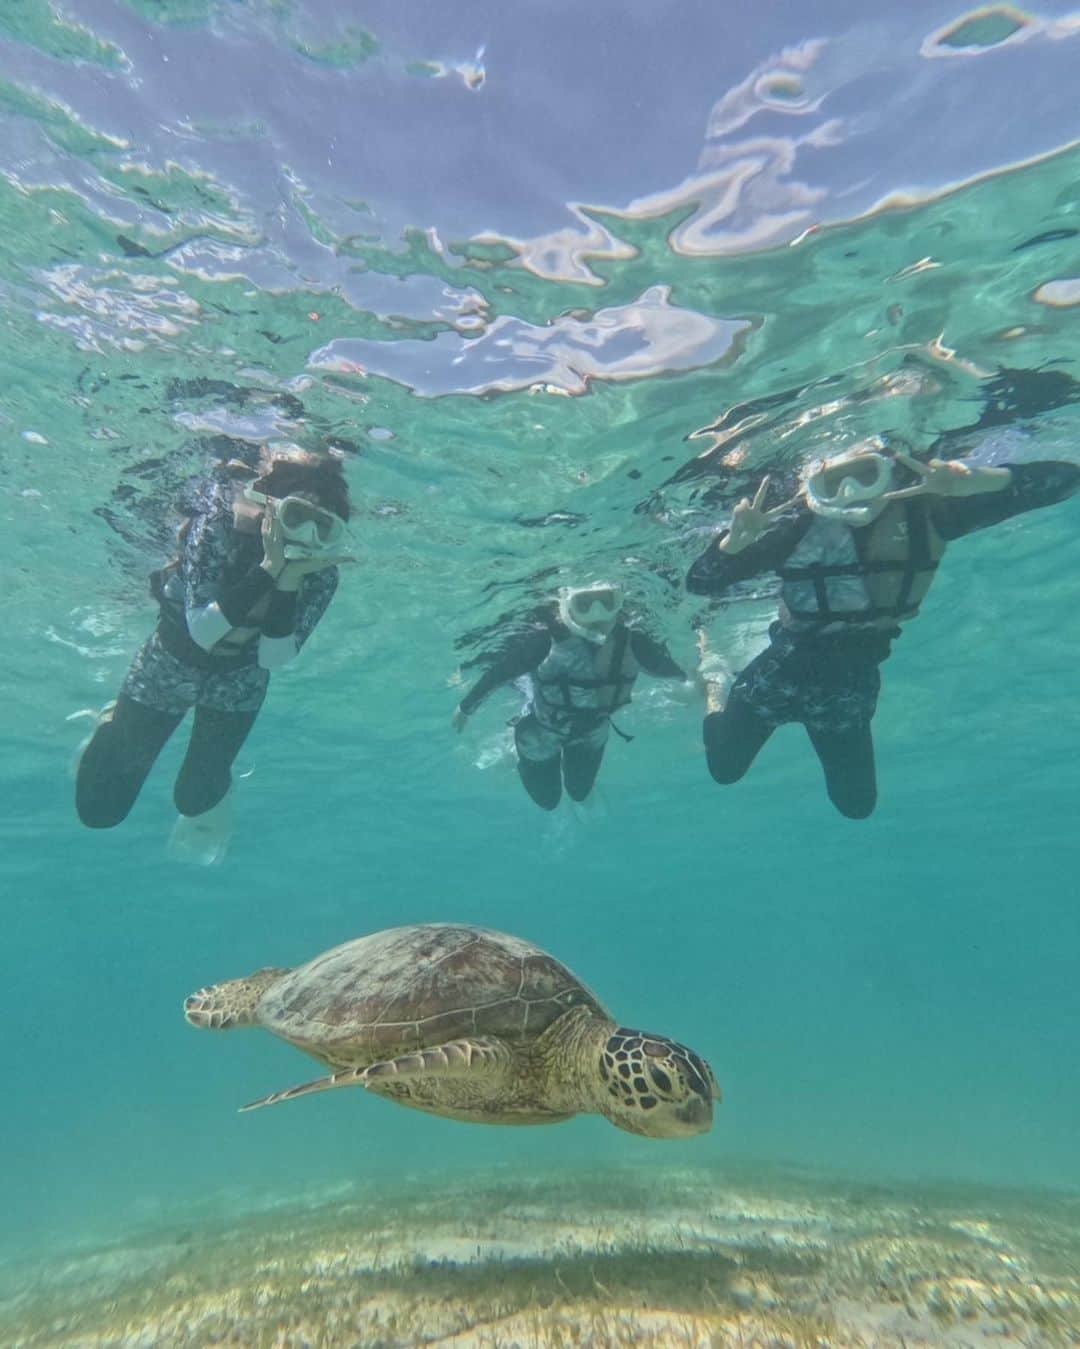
655,1086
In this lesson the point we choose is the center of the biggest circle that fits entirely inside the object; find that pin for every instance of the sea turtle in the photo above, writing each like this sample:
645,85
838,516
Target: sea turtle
471,1024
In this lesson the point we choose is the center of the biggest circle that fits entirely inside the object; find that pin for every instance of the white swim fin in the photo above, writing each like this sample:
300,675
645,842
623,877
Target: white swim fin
594,807
203,840
98,717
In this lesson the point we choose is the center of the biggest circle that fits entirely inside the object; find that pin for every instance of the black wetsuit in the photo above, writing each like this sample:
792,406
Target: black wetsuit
576,686
842,600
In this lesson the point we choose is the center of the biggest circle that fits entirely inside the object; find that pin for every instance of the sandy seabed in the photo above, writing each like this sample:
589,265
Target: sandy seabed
645,1256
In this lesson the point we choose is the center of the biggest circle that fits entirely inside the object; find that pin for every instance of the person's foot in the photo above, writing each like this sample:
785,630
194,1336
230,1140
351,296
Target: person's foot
203,839
99,717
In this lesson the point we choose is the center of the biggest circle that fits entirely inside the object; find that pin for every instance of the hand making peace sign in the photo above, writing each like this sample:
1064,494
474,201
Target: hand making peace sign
947,478
750,520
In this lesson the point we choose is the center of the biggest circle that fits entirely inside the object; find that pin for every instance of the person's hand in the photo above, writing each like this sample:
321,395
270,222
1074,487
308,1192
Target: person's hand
948,478
459,720
296,568
273,544
750,520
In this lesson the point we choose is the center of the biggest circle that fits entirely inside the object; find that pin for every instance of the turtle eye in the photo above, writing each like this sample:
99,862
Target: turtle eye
660,1078
696,1080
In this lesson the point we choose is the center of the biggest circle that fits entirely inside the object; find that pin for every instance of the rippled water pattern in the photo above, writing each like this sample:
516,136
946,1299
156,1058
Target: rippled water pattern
560,282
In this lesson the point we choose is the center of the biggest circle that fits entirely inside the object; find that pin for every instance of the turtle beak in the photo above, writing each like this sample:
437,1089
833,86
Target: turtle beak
696,1114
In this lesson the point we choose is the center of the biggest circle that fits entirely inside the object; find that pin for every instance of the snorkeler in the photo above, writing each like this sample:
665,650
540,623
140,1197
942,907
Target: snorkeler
856,551
256,570
582,658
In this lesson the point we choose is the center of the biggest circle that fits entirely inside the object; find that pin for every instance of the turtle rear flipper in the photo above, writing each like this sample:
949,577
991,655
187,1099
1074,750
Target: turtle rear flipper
480,1054
234,1003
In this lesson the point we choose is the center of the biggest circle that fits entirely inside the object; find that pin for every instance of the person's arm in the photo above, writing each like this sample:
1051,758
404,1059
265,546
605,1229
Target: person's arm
521,656
291,616
654,657
724,562
1012,490
211,609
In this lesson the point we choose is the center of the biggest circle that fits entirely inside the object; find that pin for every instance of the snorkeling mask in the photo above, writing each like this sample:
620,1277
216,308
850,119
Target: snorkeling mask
306,528
590,611
849,486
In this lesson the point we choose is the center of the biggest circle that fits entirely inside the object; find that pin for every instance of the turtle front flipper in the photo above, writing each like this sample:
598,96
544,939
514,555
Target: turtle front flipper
234,1003
480,1055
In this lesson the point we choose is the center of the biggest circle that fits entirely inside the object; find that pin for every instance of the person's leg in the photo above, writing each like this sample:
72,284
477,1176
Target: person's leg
205,775
581,761
114,765
733,738
847,756
838,707
737,726
538,762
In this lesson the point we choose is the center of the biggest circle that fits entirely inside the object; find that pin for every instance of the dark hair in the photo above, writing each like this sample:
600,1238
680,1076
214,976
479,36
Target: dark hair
322,477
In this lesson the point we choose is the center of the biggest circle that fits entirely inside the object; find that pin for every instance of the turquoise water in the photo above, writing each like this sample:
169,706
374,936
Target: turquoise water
351,225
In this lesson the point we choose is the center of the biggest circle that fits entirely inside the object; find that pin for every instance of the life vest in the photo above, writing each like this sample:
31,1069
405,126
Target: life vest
837,574
578,684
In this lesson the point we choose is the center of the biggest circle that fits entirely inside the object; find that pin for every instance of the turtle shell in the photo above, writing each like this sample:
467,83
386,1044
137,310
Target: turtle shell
408,988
